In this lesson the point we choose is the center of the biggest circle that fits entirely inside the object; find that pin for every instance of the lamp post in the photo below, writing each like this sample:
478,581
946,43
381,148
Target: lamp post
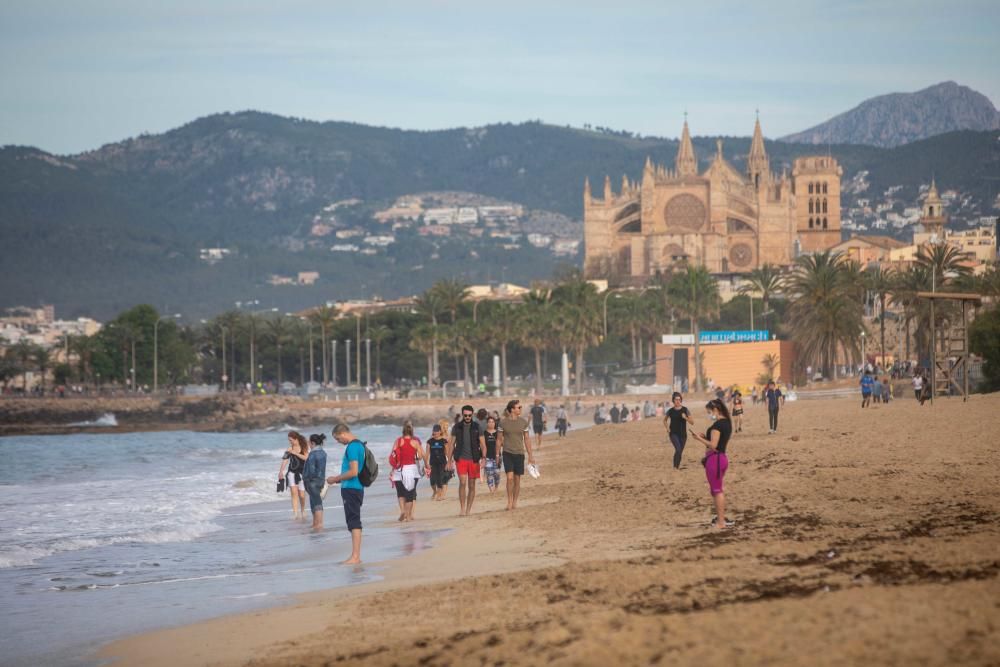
312,365
347,347
333,363
368,362
609,293
156,351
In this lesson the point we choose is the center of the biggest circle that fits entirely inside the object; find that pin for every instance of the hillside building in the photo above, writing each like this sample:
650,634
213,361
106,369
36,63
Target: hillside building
727,221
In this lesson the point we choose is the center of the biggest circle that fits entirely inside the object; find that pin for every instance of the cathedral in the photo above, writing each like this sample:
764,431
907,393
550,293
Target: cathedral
727,221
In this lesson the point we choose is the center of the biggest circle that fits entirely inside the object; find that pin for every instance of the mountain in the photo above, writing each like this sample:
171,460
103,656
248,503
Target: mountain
899,118
98,232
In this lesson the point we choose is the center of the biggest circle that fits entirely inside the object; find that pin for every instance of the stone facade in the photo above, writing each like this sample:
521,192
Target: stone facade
722,219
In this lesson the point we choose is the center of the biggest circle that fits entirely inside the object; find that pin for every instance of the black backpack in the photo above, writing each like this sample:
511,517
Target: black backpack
369,471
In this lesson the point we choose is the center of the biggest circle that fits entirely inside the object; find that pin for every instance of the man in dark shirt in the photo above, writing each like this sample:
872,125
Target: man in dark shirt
538,422
614,413
774,398
464,453
676,420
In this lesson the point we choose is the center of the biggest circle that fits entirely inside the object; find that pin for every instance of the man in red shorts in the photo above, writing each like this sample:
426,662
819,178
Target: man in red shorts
463,456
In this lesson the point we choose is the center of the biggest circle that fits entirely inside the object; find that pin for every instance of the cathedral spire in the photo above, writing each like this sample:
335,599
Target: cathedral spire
587,200
687,163
607,190
758,169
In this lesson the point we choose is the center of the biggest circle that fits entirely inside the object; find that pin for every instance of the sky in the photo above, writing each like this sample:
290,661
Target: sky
76,74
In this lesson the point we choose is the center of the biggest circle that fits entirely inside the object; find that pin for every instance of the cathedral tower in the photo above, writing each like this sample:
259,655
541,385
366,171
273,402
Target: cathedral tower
816,184
687,163
758,169
933,218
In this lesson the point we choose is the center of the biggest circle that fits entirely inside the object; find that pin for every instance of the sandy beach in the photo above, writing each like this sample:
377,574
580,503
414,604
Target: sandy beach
861,537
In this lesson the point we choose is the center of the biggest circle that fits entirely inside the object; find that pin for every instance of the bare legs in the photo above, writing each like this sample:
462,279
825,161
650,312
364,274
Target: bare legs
298,503
355,558
513,490
466,494
720,510
317,520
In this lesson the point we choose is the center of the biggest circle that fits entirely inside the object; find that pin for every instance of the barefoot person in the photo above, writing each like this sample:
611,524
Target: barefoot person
774,398
538,422
514,441
737,402
291,471
407,459
463,455
437,448
866,389
313,477
448,472
351,492
716,439
676,421
489,444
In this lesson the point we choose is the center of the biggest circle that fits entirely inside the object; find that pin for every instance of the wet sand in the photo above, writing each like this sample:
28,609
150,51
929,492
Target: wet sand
862,537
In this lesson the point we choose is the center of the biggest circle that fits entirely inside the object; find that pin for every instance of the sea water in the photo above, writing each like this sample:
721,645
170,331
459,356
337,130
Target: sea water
103,536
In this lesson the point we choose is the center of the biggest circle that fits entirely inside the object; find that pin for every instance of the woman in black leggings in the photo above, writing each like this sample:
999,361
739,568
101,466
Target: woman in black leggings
676,421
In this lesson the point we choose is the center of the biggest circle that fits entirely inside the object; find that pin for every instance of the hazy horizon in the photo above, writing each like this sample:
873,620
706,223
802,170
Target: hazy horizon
78,77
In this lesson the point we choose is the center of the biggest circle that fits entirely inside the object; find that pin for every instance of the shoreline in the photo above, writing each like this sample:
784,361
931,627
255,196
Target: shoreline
858,537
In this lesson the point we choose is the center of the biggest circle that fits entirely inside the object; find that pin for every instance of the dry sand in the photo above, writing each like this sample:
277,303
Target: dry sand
862,537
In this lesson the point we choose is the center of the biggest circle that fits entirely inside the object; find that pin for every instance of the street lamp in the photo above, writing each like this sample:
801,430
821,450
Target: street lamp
617,296
156,355
864,357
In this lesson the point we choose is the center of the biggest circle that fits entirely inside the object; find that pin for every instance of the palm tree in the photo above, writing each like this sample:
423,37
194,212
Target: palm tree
770,363
228,323
534,321
906,286
501,330
880,281
43,359
451,294
279,329
325,316
423,339
378,334
825,308
695,295
578,301
945,261
430,306
23,353
765,281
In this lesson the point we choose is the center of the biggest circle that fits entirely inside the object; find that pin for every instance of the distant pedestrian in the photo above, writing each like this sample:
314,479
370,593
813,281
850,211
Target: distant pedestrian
867,383
676,421
562,421
737,411
774,399
437,448
538,419
614,413
407,460
876,390
490,445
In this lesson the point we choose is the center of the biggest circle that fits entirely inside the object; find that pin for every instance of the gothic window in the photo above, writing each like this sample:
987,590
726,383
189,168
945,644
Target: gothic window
810,188
824,204
684,212
810,223
824,188
811,206
824,223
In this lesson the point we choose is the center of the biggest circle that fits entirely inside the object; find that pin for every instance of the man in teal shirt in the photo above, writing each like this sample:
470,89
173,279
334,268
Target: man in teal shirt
351,491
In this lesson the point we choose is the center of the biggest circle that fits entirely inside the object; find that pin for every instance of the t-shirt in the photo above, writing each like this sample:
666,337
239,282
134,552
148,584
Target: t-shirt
491,444
678,425
513,434
866,384
463,442
537,414
437,450
772,396
725,429
918,382
295,464
355,451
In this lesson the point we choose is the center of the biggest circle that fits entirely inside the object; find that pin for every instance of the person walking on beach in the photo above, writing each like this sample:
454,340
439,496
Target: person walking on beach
774,398
463,455
676,422
716,439
562,421
876,390
866,389
313,477
407,459
538,422
437,448
489,442
514,441
291,471
737,402
886,390
351,492
918,387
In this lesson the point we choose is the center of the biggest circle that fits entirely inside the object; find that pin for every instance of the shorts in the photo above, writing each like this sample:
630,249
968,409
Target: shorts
716,465
438,476
353,499
290,481
467,468
313,488
401,492
865,394
737,413
538,427
513,463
